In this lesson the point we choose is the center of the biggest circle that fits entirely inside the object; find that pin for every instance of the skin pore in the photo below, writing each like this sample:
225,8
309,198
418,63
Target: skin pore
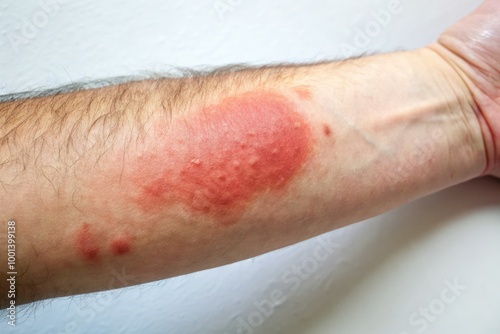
158,178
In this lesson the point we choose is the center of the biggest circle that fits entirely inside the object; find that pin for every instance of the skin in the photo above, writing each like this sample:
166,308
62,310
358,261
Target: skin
472,46
160,178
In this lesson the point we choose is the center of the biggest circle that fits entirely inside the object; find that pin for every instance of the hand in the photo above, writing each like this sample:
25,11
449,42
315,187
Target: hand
473,46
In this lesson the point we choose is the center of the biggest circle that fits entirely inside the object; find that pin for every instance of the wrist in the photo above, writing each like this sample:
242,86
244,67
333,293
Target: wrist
459,75
466,135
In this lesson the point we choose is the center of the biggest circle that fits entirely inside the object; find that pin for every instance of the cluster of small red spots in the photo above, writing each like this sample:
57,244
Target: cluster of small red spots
89,246
227,153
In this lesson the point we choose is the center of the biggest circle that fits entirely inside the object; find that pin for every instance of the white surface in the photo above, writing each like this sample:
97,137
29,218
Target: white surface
380,275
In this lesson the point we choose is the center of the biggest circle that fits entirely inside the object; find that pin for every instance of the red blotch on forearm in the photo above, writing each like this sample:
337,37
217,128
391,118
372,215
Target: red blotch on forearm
86,243
303,92
121,245
216,161
327,130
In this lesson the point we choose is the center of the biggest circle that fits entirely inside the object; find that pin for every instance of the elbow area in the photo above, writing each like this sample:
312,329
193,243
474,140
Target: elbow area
216,161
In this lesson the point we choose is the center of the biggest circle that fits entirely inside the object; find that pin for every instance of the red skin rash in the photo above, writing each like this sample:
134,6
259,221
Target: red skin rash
216,161
327,130
303,92
86,244
120,245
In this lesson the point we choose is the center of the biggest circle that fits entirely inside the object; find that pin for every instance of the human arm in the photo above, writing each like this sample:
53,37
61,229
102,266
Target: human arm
144,176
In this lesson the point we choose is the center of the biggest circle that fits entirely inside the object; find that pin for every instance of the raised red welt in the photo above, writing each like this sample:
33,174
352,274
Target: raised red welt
327,130
86,243
120,245
217,160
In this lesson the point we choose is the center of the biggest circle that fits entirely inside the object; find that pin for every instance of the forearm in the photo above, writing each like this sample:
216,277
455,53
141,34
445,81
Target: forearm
161,178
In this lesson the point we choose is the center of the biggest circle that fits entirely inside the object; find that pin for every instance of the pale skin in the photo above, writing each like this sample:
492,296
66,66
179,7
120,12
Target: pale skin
113,180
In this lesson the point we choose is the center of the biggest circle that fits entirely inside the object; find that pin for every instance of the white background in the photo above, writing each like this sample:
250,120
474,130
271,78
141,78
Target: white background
381,276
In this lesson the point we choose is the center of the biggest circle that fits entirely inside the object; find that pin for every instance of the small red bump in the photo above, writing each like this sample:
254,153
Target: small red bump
327,130
86,243
120,245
